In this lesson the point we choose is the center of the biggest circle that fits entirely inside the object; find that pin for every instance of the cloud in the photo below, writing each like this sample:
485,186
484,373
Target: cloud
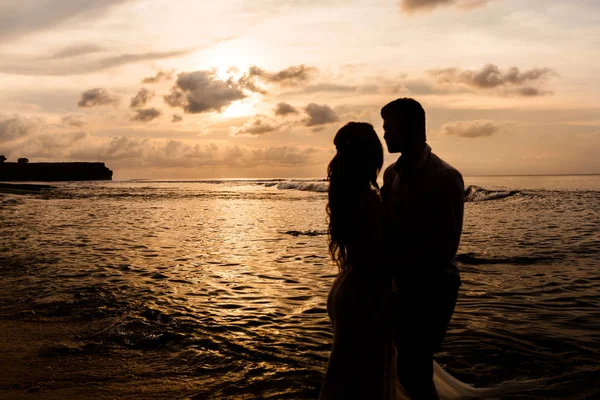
283,109
77,50
512,81
146,114
411,6
73,121
283,156
15,127
248,83
291,76
53,66
319,115
203,91
97,97
176,118
160,76
529,91
19,18
329,87
472,129
133,151
33,138
259,126
51,145
141,98
294,76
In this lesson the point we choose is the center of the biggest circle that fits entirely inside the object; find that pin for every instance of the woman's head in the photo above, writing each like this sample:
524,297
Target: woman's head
353,169
358,159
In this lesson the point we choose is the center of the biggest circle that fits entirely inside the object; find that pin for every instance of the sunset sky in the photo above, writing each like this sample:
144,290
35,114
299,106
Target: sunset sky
256,89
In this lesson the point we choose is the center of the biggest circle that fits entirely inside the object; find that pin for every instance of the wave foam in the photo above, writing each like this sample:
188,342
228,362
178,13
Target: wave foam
476,193
311,186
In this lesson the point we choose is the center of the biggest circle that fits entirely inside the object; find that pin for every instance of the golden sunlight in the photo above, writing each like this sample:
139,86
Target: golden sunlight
229,60
240,108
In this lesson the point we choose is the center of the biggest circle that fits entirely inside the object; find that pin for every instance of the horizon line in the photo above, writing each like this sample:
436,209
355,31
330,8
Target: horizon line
324,178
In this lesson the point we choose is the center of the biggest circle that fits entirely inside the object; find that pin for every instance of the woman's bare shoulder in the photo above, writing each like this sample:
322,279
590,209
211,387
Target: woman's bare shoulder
388,174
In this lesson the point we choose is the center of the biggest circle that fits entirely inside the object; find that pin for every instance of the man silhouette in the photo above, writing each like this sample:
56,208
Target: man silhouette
423,203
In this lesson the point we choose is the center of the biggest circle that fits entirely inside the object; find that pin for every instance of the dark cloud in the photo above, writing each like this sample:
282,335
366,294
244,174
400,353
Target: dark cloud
160,76
294,76
472,129
247,82
283,109
291,76
13,127
18,65
141,98
411,6
319,115
97,97
259,126
203,91
19,18
176,118
512,81
146,114
73,121
529,91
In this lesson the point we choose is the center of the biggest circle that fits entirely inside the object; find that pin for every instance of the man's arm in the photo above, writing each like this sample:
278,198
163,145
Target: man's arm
448,212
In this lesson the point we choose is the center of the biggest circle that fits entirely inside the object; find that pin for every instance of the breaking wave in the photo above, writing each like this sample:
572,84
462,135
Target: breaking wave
307,186
305,233
476,193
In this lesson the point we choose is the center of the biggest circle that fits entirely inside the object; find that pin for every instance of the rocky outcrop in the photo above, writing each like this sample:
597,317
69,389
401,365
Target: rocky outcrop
47,172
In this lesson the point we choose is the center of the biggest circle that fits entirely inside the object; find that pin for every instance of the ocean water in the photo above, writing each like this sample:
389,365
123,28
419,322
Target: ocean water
218,288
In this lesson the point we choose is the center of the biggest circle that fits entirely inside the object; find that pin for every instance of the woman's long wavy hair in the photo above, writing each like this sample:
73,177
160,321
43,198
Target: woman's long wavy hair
353,170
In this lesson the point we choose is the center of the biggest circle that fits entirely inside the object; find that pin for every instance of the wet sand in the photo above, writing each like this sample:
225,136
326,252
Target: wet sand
49,360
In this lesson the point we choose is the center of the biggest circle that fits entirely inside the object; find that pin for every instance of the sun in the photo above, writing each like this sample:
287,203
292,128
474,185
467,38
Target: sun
231,60
228,60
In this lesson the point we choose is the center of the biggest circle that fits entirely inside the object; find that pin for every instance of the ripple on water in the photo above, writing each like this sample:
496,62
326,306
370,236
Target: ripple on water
237,305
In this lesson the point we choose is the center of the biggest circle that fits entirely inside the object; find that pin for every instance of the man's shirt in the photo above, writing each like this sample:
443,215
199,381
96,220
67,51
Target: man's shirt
423,217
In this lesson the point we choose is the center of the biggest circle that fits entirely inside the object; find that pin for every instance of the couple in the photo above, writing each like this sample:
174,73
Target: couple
398,283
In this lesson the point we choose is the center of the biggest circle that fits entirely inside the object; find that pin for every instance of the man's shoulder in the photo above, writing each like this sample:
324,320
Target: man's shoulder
444,171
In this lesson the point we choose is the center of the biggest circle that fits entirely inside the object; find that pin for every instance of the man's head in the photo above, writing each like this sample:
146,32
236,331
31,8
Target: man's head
403,125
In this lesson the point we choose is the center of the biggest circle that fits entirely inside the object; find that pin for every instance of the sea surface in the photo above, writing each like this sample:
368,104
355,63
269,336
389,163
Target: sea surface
220,287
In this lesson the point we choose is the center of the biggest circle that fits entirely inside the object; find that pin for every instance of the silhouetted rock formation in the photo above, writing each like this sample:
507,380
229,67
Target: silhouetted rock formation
73,171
